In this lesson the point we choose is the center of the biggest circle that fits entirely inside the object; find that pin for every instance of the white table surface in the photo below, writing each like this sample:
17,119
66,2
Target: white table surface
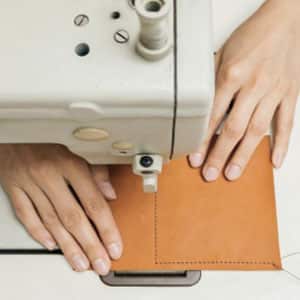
49,277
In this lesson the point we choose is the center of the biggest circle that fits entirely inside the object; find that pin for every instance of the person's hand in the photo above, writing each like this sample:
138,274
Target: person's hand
43,183
258,76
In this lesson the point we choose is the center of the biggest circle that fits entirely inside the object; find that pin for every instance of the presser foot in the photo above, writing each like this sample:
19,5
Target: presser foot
148,167
152,278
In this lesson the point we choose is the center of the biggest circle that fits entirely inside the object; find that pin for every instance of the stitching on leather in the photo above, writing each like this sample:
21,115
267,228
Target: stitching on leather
217,262
207,262
155,230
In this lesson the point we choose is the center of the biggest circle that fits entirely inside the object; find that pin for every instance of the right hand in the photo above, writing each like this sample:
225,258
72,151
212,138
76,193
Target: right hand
37,178
257,85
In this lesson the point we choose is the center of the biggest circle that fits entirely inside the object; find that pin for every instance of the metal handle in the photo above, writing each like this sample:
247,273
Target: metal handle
155,278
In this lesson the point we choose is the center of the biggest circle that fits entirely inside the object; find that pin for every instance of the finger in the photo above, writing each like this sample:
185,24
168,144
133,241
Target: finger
196,159
70,248
284,120
26,213
101,176
98,211
234,127
258,126
72,216
227,85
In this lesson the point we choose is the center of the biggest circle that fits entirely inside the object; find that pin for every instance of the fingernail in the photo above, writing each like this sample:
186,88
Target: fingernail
211,174
50,245
233,172
80,263
115,250
108,190
101,267
277,160
196,160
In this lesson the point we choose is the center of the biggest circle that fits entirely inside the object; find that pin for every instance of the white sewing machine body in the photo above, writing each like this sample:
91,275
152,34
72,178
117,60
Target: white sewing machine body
112,103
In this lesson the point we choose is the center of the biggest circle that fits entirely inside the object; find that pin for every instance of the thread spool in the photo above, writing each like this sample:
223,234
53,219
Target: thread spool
154,41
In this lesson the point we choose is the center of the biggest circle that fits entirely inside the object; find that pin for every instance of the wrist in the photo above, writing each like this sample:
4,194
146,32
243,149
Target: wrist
288,9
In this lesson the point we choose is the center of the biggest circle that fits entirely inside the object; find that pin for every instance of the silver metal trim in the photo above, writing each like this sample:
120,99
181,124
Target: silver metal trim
153,278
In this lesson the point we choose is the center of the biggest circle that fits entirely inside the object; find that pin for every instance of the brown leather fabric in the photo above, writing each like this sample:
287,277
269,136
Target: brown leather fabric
193,225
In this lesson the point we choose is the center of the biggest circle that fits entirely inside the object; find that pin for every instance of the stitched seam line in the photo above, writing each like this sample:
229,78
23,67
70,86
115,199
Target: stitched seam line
155,230
200,262
216,262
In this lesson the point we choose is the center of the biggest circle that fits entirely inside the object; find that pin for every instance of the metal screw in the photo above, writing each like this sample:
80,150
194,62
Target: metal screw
146,161
132,3
81,20
121,36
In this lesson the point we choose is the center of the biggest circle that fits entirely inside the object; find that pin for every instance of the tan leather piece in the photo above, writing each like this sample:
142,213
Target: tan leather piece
193,225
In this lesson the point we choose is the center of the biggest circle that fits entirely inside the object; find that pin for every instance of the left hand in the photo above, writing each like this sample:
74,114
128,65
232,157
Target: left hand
61,200
258,67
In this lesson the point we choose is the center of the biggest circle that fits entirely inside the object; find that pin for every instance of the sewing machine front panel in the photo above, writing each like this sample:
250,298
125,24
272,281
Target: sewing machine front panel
42,69
49,92
73,66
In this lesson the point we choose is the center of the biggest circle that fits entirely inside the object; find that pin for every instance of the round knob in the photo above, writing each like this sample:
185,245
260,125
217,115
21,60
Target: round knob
90,134
122,146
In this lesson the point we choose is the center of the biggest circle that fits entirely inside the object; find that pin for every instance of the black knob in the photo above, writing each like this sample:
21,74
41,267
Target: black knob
146,161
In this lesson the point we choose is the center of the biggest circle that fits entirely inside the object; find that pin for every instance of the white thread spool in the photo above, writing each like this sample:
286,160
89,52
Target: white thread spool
154,41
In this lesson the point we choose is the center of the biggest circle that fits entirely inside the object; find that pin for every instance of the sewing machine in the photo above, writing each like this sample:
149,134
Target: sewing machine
28,272
117,82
